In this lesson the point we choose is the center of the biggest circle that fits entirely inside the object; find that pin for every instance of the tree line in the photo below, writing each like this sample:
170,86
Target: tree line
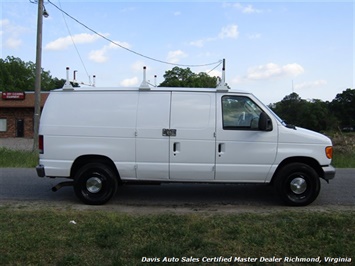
318,115
17,75
315,114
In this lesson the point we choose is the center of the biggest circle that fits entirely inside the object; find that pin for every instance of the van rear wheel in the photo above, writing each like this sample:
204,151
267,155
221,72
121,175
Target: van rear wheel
297,184
95,184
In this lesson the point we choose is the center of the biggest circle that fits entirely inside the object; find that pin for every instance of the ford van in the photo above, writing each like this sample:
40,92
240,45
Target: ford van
99,138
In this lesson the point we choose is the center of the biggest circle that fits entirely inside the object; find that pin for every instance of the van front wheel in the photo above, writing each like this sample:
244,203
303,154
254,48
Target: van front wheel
297,184
95,184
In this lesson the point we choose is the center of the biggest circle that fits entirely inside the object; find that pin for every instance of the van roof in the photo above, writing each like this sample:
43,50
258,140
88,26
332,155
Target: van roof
183,89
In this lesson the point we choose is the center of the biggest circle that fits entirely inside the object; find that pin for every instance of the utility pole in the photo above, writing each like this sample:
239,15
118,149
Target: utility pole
38,76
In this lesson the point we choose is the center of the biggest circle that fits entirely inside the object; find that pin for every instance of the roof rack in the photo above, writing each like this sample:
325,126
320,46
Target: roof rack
67,85
223,86
144,85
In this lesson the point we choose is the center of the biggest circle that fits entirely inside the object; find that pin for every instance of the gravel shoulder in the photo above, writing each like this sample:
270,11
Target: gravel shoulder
203,209
16,144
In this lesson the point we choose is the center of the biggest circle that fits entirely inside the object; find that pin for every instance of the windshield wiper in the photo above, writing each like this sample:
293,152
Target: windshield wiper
289,125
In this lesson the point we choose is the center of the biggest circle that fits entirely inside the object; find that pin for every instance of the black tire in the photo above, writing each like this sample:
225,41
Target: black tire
95,184
297,184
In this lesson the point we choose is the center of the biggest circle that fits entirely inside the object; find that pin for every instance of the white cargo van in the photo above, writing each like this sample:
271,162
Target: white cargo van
102,137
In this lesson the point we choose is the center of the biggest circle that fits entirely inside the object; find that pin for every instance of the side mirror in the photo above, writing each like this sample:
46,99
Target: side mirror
265,123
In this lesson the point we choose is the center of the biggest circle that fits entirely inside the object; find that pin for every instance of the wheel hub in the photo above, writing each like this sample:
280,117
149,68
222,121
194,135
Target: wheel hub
94,184
298,185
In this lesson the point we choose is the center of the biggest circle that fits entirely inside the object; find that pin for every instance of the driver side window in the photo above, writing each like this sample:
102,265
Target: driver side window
240,113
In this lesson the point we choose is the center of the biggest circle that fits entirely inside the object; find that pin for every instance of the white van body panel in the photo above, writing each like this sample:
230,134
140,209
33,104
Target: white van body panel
192,157
302,142
213,139
86,123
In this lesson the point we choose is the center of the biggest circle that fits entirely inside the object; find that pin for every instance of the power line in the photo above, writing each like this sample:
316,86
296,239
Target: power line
220,62
76,48
127,49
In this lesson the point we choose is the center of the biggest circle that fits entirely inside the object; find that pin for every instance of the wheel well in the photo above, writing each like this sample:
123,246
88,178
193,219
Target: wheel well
85,159
306,160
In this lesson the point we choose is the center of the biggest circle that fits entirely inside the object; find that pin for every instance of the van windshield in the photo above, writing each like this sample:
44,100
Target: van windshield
276,116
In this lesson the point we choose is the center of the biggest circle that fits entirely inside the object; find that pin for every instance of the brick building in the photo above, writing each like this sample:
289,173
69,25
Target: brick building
17,112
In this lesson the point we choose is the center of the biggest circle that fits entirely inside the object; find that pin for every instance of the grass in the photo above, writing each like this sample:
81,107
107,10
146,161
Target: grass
45,237
344,149
343,159
12,158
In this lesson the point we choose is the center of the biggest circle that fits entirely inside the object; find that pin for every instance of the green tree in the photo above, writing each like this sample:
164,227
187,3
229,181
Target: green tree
317,116
290,108
314,114
17,75
180,77
343,107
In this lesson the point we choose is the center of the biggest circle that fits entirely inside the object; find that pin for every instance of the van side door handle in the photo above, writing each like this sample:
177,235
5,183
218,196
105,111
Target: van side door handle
221,148
176,148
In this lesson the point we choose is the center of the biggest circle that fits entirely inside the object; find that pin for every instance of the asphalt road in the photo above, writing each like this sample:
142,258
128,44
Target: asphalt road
23,187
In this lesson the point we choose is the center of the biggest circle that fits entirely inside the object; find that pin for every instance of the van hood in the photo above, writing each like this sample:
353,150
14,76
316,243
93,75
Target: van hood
302,136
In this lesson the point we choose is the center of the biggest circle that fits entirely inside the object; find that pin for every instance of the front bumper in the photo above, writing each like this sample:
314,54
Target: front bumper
329,172
40,170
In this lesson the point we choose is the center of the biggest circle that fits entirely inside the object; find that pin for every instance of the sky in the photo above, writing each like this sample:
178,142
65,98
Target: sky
271,48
